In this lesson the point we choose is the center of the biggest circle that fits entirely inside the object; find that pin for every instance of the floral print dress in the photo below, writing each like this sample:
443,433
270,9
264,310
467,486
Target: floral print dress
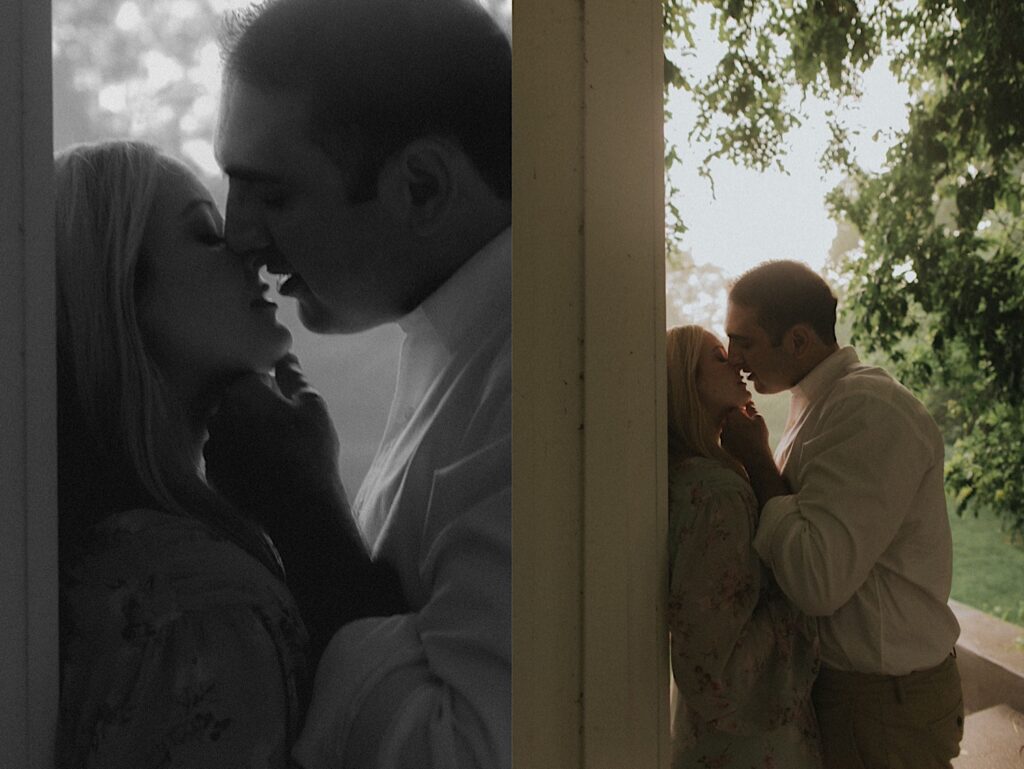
743,658
178,649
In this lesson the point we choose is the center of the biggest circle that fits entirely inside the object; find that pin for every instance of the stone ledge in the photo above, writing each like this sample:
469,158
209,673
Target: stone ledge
990,659
993,739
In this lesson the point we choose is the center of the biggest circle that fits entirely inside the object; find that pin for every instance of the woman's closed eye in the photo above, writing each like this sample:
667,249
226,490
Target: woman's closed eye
208,232
212,239
206,228
270,195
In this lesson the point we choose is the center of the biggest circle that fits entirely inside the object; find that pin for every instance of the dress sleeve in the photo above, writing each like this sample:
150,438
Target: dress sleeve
432,688
742,657
176,665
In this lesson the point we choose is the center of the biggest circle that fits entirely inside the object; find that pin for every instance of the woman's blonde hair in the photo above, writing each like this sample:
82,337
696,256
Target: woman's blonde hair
124,440
690,429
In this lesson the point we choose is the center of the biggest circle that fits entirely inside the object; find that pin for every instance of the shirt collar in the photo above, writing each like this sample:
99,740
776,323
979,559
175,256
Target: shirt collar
823,376
479,290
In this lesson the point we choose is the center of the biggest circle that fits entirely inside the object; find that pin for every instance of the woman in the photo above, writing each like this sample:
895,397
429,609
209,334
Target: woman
180,644
743,658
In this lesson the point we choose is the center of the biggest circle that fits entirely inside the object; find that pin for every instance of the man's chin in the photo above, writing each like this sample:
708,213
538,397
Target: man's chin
321,320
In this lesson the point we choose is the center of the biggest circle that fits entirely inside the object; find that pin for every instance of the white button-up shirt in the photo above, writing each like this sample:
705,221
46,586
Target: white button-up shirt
864,541
432,688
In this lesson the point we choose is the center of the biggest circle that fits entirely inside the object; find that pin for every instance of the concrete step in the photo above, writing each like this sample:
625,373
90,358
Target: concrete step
993,739
990,656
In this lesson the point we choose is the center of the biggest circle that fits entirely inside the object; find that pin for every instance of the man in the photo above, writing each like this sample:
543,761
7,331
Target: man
853,523
368,146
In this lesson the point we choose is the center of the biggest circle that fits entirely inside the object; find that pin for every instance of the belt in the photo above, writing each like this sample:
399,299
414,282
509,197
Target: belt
880,683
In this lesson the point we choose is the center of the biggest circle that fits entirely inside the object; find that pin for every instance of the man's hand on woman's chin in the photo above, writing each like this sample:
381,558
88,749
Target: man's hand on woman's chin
745,435
273,446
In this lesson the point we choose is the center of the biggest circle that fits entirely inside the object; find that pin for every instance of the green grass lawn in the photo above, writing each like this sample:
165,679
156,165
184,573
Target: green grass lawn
988,569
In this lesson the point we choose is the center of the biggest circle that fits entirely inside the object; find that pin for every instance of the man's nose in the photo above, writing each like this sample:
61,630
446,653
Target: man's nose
244,230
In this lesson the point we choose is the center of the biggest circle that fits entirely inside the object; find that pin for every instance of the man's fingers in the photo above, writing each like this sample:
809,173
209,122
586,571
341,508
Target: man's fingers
290,379
735,415
245,395
292,383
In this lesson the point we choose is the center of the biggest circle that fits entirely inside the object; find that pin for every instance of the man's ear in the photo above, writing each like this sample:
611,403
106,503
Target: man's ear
799,340
417,184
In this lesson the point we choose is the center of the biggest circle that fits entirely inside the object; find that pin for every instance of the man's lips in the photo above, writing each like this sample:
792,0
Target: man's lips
289,285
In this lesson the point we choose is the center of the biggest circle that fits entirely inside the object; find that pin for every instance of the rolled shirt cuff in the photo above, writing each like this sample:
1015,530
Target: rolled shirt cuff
358,659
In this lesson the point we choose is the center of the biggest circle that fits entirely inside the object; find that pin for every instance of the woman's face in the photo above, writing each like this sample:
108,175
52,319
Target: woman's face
201,307
720,386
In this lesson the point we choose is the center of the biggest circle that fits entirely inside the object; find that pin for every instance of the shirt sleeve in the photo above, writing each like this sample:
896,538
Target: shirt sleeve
742,657
856,480
430,689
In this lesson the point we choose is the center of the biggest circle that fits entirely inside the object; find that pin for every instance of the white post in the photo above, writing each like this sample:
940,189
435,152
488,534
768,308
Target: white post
28,496
590,659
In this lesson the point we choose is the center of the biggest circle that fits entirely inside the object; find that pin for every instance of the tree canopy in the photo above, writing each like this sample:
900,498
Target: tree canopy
150,71
936,278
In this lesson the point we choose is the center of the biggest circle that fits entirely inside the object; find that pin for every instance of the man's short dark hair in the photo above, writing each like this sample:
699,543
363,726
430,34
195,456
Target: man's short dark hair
784,293
379,74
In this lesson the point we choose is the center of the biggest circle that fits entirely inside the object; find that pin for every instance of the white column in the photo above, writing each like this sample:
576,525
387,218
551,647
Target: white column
590,660
28,519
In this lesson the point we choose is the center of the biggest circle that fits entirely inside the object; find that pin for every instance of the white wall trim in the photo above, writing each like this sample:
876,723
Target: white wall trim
590,658
28,496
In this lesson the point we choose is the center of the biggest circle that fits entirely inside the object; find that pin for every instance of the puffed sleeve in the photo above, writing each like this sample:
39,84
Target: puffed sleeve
178,650
742,657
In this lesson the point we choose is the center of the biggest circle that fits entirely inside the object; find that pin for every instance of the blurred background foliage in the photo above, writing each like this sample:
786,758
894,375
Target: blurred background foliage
930,252
150,70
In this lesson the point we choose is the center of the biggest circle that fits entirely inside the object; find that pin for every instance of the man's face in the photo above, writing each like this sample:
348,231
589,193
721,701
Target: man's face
288,204
768,367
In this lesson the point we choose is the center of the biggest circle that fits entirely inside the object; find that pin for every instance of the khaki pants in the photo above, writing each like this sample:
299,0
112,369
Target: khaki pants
870,721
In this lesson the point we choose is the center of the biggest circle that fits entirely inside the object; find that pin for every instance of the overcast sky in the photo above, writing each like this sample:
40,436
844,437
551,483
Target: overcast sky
756,216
